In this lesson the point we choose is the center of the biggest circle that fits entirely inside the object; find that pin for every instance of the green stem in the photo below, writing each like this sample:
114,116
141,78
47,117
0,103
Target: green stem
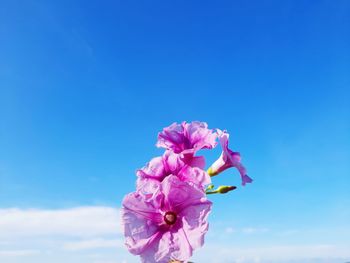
212,192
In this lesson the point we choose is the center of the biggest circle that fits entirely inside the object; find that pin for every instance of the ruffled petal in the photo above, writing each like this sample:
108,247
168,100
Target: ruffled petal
154,169
140,221
194,175
228,159
149,188
199,136
197,161
172,162
179,194
180,247
172,137
187,138
195,225
159,251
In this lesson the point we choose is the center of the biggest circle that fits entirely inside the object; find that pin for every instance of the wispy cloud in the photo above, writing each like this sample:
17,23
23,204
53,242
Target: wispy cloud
19,252
75,222
229,230
246,230
273,253
92,235
94,243
252,230
62,235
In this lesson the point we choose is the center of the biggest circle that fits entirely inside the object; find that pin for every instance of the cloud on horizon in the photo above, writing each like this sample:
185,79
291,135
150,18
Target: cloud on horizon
92,235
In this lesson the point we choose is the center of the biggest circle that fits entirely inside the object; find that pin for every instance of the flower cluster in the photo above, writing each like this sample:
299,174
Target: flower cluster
165,219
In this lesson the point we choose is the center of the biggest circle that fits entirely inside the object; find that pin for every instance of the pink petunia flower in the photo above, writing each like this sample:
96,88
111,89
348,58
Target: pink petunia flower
228,159
168,226
187,138
169,164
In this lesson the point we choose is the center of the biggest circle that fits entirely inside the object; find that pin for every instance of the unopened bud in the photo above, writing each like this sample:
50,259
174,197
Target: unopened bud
223,189
211,172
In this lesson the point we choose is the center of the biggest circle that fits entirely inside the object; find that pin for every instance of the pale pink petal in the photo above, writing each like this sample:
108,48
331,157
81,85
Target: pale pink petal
160,251
149,188
195,225
181,249
139,222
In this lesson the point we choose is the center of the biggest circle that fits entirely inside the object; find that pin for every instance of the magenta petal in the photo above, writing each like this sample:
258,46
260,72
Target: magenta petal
172,162
246,179
235,161
199,135
194,175
172,138
154,169
187,138
180,194
197,161
228,159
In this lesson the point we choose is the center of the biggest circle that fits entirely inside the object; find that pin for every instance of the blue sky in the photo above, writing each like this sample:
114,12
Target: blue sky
86,86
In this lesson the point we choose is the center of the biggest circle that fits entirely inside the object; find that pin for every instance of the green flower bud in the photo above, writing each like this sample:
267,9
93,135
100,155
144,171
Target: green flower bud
223,189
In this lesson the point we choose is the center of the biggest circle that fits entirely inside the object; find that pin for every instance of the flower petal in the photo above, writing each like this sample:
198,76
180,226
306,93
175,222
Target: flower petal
149,188
195,223
154,169
228,159
139,223
180,247
199,135
172,138
194,175
187,138
179,194
159,251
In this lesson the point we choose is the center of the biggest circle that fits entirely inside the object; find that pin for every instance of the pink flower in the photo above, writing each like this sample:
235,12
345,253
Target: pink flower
169,164
187,138
228,159
168,226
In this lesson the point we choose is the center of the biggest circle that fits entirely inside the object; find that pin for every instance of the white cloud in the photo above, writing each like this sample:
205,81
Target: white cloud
252,230
229,230
62,235
273,253
75,222
94,243
19,253
245,230
92,235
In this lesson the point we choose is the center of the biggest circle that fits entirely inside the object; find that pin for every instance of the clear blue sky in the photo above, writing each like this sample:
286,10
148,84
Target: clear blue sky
85,86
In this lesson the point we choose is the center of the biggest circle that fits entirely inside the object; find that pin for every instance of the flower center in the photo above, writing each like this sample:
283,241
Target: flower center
170,218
